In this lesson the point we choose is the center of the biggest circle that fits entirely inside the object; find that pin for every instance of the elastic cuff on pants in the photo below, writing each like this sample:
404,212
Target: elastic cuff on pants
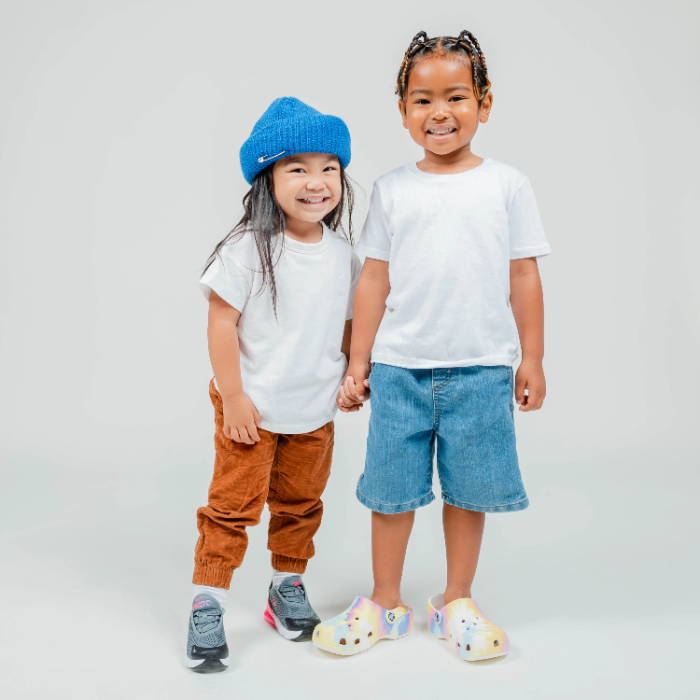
294,566
207,575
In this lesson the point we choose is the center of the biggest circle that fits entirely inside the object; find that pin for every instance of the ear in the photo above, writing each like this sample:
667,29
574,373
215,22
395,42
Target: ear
402,108
485,108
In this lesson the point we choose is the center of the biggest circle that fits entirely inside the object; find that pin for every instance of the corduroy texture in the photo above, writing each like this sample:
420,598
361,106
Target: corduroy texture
290,126
289,472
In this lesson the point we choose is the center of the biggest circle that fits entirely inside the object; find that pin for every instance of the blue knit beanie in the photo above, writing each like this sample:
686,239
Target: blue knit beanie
289,126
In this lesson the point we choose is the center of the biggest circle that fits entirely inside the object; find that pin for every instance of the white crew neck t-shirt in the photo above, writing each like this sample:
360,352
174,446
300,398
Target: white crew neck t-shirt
292,365
449,240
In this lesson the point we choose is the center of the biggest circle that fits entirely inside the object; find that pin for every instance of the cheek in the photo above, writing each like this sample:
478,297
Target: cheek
336,188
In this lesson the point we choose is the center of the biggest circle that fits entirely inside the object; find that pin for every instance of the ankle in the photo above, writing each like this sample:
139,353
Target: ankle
451,594
387,599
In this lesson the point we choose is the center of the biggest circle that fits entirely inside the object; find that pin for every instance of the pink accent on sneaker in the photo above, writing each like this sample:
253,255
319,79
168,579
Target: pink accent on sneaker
268,617
296,583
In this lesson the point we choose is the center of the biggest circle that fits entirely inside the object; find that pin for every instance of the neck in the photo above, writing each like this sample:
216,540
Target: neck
304,231
454,162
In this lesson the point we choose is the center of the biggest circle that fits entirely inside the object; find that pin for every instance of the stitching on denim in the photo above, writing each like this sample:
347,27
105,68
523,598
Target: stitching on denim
396,505
436,408
476,505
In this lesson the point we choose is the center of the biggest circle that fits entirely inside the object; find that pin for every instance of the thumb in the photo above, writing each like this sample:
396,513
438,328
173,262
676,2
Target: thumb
256,415
520,385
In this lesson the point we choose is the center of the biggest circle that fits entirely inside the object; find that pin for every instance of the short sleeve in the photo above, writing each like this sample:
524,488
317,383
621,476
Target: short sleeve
526,234
228,276
375,241
355,275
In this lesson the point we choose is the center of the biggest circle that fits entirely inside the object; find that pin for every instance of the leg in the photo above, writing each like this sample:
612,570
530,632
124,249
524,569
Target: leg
236,498
298,478
463,532
390,535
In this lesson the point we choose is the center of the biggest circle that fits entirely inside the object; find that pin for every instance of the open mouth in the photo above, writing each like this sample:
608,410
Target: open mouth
311,201
442,131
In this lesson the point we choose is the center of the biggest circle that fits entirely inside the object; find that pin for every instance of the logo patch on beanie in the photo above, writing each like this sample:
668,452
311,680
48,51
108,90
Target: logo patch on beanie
262,159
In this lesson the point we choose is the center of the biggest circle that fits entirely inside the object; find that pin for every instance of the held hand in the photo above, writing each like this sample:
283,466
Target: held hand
530,378
241,420
357,389
345,399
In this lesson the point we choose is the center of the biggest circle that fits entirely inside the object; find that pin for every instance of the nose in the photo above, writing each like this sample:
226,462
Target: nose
314,183
441,111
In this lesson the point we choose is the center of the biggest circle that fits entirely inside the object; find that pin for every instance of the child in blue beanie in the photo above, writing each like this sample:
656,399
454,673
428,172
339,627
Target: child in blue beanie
280,289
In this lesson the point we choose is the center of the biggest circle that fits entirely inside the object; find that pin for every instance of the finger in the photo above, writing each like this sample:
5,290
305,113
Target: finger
520,385
348,388
525,400
245,438
234,435
535,399
253,432
258,420
344,395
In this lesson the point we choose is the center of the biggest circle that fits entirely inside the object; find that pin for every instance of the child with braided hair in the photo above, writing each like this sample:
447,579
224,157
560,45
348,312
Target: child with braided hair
448,298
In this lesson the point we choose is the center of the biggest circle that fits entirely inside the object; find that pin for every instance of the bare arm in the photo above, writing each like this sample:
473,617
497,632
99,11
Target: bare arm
528,310
241,418
368,310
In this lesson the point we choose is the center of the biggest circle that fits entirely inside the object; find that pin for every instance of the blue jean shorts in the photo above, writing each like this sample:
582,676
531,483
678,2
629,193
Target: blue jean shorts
462,415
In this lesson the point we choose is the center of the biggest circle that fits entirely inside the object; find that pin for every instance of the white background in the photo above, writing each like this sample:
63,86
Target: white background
120,129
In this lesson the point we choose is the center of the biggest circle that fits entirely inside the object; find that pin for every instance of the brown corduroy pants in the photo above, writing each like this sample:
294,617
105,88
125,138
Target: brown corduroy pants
289,472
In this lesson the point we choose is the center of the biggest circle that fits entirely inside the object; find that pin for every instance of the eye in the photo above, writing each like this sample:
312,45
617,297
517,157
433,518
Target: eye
297,170
458,97
422,101
330,167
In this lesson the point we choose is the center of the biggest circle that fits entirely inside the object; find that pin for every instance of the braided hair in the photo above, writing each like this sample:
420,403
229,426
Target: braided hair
466,43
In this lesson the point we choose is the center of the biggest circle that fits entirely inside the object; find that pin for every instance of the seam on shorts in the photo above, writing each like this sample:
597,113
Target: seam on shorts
390,508
515,505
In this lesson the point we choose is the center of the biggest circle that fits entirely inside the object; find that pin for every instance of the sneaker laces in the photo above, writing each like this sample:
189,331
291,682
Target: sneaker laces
294,593
206,619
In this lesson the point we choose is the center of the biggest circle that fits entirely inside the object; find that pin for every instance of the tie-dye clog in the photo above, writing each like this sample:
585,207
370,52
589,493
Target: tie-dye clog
360,626
472,635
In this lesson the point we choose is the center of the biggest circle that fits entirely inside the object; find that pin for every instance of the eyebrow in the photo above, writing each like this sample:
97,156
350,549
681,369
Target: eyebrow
459,86
303,161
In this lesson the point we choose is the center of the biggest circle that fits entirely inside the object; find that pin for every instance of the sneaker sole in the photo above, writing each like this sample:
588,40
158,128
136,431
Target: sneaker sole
206,665
291,635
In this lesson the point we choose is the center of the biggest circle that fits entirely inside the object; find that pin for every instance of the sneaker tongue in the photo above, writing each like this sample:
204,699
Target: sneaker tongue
203,601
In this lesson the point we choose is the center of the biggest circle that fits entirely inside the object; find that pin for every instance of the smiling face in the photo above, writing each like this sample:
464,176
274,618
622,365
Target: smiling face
307,186
441,110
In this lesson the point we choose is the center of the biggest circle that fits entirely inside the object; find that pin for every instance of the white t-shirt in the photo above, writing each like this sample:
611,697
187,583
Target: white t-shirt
292,365
449,240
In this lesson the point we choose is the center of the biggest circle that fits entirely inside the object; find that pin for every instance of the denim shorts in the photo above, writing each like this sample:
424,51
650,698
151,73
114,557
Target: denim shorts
462,414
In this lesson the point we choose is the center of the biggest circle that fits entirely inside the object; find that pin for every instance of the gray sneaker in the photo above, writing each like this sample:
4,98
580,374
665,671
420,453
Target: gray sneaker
207,651
288,610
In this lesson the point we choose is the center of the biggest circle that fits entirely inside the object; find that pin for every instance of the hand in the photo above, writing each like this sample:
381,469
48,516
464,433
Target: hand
530,378
344,401
241,419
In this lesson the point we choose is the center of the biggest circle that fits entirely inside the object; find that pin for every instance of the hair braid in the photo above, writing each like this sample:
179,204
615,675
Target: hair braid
466,42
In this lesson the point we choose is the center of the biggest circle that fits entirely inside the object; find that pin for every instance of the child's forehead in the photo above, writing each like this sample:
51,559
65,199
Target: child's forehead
441,70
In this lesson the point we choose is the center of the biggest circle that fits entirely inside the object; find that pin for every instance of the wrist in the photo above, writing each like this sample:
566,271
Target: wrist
532,359
359,358
231,395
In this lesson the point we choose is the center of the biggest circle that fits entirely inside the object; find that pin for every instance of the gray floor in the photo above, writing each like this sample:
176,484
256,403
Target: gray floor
598,596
